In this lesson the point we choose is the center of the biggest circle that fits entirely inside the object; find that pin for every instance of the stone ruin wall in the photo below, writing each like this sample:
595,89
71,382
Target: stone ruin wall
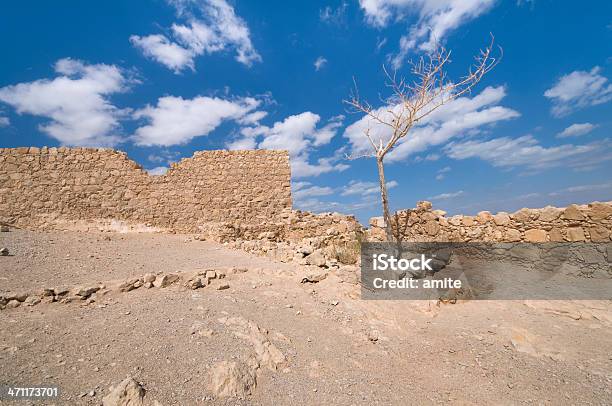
50,188
575,223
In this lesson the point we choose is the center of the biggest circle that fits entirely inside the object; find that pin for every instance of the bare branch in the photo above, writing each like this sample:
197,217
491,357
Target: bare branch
412,101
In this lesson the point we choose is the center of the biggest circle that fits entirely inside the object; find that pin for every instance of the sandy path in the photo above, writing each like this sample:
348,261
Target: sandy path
168,338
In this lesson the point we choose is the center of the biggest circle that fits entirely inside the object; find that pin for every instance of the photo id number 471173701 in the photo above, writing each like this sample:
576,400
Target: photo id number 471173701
28,392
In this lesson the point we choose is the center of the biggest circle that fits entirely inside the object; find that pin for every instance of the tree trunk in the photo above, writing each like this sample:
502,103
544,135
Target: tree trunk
385,199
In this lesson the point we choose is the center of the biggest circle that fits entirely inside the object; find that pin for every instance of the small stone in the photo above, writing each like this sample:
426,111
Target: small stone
4,252
165,280
32,301
149,277
13,304
4,228
373,336
223,286
148,285
316,258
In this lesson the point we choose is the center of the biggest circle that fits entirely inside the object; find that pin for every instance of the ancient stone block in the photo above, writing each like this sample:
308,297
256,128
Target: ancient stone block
535,235
575,234
572,213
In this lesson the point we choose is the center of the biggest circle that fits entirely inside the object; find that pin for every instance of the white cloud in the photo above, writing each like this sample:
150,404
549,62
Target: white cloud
577,90
576,130
582,188
526,153
435,20
4,121
336,16
312,191
75,102
164,51
441,174
209,26
459,117
362,188
164,156
159,170
176,121
298,134
319,63
446,196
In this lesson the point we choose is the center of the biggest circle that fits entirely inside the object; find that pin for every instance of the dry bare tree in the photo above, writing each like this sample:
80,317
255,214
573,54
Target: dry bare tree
411,101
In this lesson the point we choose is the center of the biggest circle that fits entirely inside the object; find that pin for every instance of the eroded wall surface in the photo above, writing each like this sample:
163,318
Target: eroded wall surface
52,187
590,223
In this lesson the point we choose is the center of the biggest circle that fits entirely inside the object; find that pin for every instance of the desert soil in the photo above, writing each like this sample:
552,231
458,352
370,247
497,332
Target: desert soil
336,349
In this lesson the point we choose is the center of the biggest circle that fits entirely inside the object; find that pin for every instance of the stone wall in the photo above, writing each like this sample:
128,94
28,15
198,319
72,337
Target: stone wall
54,187
591,223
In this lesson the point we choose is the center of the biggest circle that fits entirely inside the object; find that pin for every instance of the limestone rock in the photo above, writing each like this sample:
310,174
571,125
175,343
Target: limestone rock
130,285
12,304
599,211
573,213
522,216
32,301
467,221
535,235
423,205
512,235
85,292
575,234
149,277
556,235
599,234
549,213
316,258
165,280
431,227
127,393
232,379
313,277
501,219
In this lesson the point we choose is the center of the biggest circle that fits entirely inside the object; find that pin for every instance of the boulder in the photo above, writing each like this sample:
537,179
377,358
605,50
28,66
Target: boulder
232,379
316,258
127,393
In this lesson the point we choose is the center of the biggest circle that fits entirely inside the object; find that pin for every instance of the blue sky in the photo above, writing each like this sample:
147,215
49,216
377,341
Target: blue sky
162,79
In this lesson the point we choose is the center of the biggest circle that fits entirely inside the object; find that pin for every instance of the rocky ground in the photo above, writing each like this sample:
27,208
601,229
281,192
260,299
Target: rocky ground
253,333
